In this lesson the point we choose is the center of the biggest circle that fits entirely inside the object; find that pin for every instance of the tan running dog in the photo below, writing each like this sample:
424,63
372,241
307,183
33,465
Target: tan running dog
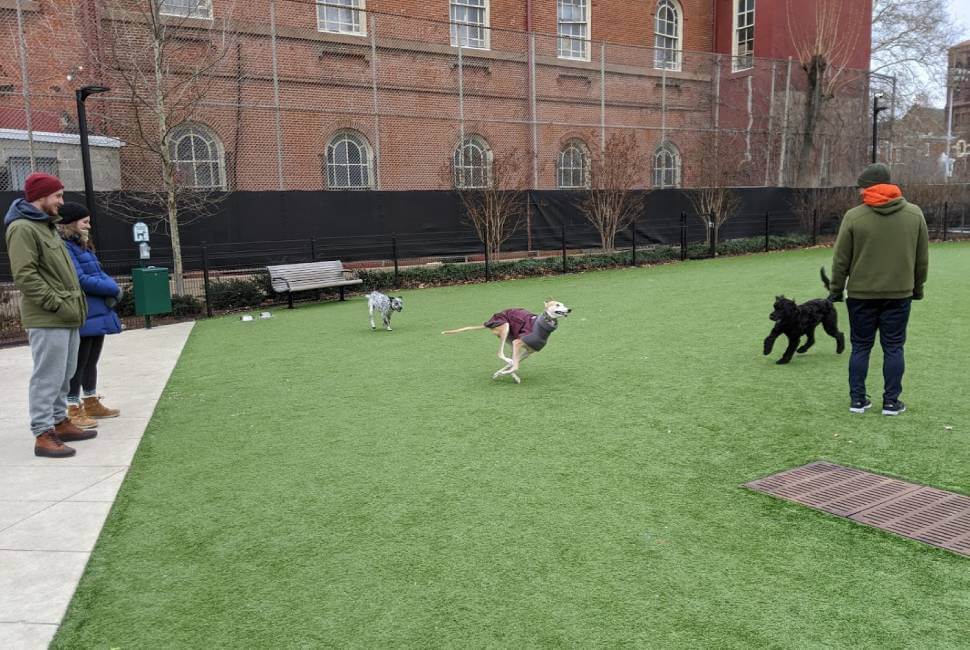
527,333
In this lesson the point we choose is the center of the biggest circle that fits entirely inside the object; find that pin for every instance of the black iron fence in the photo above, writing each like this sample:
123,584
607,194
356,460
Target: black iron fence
222,277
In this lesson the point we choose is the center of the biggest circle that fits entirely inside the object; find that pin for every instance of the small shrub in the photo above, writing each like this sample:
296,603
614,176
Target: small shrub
126,306
186,306
236,293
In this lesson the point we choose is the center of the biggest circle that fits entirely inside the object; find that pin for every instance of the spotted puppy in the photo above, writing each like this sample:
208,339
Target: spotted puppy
386,305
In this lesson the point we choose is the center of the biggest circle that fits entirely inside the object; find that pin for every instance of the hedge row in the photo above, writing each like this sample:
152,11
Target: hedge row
248,293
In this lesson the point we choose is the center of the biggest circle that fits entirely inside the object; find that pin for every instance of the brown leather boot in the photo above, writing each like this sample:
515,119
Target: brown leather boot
67,432
93,408
76,415
49,445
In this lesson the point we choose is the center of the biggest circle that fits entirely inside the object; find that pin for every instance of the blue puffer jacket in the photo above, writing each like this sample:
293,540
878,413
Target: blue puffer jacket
96,285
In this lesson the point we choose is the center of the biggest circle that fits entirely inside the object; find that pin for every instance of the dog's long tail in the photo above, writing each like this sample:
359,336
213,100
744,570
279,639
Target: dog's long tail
464,329
825,279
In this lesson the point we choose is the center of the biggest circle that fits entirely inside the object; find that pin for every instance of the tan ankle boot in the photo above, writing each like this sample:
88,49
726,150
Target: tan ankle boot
75,414
49,445
95,409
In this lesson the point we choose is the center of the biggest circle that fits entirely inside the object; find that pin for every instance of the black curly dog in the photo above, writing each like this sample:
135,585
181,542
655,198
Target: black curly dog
796,321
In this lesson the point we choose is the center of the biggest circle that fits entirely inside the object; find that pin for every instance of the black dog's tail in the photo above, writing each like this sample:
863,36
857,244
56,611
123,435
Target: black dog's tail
825,279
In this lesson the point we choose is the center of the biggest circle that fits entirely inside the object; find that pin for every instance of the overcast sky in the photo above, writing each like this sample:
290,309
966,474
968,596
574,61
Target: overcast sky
960,11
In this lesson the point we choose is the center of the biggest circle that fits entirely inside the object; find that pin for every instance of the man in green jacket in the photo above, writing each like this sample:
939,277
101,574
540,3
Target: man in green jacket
52,308
883,251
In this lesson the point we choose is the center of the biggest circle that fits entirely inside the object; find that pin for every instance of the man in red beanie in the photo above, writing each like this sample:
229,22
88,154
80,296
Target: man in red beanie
52,308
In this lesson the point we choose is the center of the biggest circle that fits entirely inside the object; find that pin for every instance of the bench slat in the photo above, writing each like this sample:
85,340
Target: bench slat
309,275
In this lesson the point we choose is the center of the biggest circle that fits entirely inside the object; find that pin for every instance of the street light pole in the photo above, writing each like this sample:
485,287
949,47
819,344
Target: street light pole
876,109
82,120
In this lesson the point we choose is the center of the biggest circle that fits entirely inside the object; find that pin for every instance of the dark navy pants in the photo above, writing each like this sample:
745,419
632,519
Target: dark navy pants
889,317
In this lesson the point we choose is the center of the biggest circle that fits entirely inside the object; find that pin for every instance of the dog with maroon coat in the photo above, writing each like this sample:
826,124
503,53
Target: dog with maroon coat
525,331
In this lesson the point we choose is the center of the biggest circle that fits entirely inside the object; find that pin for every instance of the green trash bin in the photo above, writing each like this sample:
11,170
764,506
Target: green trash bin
152,295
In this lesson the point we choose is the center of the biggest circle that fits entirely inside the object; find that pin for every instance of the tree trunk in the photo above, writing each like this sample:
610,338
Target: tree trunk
173,227
815,71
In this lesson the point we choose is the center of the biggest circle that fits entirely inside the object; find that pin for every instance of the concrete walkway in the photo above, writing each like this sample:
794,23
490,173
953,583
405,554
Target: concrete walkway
52,510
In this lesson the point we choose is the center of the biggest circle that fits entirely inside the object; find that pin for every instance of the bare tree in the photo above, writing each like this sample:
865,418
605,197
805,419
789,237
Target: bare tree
714,198
815,205
161,69
610,203
910,39
935,200
823,50
493,194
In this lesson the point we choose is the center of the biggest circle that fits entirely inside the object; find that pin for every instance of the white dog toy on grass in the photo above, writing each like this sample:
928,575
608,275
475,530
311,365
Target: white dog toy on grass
527,333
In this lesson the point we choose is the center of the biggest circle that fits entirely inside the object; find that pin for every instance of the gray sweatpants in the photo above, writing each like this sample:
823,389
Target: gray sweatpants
54,350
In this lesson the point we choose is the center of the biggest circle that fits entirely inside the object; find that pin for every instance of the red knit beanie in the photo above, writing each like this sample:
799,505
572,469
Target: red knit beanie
38,185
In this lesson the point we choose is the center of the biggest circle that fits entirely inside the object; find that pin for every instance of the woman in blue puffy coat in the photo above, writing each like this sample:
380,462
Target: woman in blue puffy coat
102,293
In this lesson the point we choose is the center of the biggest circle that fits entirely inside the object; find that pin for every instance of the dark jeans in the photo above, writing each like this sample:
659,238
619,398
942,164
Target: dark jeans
889,317
86,375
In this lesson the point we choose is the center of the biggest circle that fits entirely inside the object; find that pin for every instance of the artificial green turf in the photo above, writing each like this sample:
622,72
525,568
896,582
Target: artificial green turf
308,482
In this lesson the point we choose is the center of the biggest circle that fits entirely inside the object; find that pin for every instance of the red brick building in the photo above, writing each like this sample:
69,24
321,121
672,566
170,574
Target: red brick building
377,94
958,109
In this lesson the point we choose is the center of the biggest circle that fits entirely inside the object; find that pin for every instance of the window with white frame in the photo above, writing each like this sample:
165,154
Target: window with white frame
743,35
573,165
469,24
341,17
198,157
18,169
667,36
573,18
186,8
472,163
349,162
666,166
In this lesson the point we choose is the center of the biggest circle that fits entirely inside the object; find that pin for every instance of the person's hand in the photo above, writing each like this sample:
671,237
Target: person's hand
835,296
917,294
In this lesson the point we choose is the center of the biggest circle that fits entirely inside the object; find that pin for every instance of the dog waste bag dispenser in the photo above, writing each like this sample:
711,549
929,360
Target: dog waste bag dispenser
151,291
150,283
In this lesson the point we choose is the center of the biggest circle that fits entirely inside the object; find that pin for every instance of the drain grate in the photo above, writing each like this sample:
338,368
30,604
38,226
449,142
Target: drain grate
922,513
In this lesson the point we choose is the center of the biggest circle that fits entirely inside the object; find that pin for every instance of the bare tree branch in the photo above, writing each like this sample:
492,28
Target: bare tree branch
610,203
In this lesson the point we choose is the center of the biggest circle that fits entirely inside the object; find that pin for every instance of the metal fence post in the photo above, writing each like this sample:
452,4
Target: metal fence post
562,228
633,260
683,236
767,242
712,235
946,214
394,253
313,249
205,280
488,274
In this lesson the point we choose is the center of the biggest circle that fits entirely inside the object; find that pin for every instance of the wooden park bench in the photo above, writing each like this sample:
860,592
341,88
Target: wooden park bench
287,278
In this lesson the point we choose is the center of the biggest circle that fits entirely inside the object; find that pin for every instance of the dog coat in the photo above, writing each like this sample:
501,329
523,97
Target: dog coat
532,329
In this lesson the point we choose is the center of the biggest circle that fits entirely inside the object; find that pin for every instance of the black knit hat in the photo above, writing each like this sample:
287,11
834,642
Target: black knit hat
875,174
71,212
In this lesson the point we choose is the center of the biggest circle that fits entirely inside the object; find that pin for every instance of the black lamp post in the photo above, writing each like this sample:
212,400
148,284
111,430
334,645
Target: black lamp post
876,109
81,94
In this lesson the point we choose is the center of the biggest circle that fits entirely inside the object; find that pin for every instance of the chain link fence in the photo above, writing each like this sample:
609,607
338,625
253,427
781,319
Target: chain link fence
250,101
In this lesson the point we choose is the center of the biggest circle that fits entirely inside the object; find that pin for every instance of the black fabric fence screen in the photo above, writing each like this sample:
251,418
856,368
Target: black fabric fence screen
253,228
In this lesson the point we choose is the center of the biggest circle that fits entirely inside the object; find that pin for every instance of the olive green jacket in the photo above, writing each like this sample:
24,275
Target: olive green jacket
50,295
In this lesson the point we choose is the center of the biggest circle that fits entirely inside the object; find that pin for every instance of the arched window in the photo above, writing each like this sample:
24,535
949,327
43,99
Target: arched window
573,166
349,162
198,156
472,163
666,166
667,39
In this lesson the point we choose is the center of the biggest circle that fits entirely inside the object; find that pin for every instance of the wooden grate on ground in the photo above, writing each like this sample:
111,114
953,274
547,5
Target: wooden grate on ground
926,514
